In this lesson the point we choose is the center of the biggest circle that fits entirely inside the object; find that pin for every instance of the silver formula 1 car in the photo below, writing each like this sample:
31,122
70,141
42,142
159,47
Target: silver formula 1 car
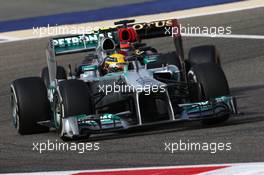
121,84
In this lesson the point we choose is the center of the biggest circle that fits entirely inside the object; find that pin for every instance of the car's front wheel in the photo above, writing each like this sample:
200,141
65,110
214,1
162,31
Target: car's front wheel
30,105
75,99
212,83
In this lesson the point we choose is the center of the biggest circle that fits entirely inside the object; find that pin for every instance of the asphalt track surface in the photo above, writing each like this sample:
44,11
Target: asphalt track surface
243,62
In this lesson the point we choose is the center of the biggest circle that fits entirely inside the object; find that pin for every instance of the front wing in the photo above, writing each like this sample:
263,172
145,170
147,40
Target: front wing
83,125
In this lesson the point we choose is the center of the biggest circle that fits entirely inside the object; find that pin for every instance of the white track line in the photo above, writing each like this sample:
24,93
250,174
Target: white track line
232,36
222,11
3,37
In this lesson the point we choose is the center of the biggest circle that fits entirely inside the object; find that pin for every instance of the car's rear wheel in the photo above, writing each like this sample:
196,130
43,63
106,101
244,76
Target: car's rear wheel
212,83
76,100
29,105
203,54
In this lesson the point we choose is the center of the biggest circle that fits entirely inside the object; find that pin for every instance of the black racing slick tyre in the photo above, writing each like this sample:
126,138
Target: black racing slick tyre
212,83
203,54
61,74
76,100
212,80
30,105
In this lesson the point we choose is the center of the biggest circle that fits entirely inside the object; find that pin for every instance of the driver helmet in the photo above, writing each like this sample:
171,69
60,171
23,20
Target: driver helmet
115,63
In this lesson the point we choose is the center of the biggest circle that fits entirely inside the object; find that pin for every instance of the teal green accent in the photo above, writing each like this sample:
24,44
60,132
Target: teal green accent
82,116
206,105
114,74
74,43
105,119
198,107
89,68
150,58
175,76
